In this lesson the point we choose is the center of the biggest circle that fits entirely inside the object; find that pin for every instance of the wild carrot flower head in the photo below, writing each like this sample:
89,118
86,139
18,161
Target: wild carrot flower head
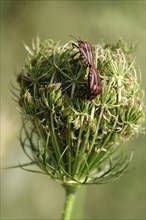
69,137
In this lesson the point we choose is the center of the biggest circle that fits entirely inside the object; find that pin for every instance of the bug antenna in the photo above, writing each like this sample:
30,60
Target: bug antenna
79,38
73,37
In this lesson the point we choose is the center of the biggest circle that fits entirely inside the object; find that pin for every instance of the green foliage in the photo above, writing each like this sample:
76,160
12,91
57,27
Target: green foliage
70,138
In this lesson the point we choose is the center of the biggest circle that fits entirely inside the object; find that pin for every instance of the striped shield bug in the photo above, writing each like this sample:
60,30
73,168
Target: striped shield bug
94,82
85,50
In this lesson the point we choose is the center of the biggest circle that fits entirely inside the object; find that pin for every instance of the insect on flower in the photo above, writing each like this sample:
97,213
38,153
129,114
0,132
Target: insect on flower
86,53
94,82
85,50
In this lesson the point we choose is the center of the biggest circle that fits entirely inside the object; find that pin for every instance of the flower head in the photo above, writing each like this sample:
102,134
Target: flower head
69,137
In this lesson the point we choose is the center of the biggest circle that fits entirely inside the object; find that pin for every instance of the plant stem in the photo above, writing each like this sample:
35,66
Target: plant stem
68,205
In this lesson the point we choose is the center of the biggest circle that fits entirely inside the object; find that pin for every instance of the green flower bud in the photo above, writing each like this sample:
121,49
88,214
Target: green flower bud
28,97
59,102
73,139
58,95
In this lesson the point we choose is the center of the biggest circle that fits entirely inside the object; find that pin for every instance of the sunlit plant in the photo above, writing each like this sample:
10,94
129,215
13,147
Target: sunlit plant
73,139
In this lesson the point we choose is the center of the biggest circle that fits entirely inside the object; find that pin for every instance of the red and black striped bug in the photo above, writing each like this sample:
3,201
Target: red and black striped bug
85,50
86,53
94,82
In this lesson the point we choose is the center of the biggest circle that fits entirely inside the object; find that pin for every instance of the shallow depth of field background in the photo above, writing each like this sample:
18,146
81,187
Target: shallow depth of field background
34,196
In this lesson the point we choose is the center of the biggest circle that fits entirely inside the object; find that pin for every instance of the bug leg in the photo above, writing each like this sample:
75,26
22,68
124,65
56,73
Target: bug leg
74,54
74,46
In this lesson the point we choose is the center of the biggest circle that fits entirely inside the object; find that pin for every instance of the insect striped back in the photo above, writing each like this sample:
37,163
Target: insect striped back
94,82
86,53
85,50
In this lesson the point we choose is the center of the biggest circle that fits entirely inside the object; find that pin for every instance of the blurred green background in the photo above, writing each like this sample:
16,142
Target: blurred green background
26,195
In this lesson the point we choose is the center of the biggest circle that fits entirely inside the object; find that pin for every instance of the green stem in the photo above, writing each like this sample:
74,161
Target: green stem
68,205
54,139
69,148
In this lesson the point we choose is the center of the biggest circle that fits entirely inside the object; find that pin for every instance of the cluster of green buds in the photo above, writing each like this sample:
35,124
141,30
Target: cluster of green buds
73,139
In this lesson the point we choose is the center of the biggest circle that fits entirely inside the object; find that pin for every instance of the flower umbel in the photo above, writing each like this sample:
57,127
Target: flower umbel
73,139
